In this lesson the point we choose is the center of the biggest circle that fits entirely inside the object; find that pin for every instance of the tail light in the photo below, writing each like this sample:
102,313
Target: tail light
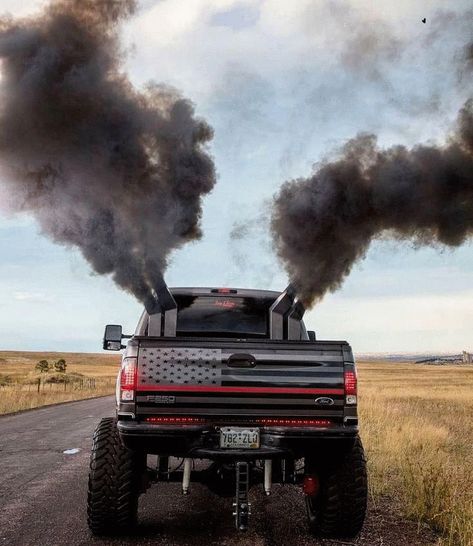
350,387
310,485
176,420
224,291
128,379
268,422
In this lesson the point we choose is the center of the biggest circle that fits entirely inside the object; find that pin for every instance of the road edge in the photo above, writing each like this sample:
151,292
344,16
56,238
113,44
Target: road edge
54,404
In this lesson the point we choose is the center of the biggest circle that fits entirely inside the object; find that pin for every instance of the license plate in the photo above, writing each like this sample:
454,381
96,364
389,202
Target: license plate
239,438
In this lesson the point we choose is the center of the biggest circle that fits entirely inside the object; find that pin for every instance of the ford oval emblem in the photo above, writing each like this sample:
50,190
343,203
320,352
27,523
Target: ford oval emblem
324,401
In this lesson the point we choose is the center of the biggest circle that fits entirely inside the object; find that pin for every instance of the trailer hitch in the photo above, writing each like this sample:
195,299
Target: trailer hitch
241,505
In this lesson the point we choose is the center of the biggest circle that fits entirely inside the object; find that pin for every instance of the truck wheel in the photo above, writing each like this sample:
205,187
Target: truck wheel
338,510
114,482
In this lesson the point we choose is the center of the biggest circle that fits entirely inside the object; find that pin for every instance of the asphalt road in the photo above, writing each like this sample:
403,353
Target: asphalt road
43,494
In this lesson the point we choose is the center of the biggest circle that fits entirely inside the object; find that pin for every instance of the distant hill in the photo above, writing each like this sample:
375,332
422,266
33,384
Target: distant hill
407,357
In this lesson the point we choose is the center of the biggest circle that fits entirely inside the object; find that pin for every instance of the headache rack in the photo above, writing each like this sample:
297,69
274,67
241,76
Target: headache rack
285,315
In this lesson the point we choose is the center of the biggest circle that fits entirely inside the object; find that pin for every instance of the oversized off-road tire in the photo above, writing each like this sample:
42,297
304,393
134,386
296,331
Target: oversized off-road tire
338,510
114,482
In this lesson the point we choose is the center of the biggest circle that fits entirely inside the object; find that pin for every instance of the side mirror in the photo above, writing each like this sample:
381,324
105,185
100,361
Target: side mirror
312,336
112,339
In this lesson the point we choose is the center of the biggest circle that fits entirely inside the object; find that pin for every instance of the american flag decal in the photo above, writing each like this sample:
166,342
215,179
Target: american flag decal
199,367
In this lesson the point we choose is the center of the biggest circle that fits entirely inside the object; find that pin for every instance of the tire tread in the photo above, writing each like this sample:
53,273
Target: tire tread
113,488
340,509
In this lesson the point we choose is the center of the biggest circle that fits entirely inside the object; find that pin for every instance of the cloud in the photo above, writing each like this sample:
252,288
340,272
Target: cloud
32,297
239,16
433,322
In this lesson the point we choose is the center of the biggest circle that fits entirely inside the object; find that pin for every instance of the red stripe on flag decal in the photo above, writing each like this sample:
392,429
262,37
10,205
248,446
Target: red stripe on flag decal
262,390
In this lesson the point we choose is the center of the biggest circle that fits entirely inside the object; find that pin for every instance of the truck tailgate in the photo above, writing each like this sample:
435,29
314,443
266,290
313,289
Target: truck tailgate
198,378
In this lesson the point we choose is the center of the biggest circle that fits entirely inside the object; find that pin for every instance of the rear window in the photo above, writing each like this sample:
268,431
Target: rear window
227,316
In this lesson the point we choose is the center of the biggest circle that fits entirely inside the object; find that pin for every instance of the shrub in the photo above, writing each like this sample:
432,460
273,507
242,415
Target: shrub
60,366
42,366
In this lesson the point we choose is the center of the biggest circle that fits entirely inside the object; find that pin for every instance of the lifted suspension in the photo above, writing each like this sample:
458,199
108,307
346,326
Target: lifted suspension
234,478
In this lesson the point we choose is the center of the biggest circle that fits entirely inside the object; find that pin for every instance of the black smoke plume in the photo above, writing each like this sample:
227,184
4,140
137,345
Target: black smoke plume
116,172
323,224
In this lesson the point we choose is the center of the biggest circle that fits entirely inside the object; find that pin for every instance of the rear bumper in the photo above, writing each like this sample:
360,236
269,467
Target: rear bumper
199,441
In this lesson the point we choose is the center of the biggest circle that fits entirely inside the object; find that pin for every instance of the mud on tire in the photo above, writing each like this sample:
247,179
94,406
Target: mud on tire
338,511
114,482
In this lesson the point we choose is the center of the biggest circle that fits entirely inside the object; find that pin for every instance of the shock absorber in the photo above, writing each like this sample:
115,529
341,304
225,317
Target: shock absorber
268,471
186,476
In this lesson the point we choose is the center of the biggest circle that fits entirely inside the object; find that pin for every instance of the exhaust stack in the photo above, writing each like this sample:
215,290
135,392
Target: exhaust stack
285,315
162,311
294,318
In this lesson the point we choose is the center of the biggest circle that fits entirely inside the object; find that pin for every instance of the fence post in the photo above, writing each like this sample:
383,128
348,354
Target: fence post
39,384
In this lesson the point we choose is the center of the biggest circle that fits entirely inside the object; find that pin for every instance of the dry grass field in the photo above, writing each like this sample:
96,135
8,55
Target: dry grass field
87,376
417,426
416,421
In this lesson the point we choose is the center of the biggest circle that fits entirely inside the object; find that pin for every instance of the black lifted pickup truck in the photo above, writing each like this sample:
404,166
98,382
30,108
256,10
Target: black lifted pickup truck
226,387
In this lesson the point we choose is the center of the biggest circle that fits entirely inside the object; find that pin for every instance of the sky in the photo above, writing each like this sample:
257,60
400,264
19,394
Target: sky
283,84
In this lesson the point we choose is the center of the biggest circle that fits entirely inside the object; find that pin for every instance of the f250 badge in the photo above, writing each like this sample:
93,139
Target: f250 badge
159,399
324,401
